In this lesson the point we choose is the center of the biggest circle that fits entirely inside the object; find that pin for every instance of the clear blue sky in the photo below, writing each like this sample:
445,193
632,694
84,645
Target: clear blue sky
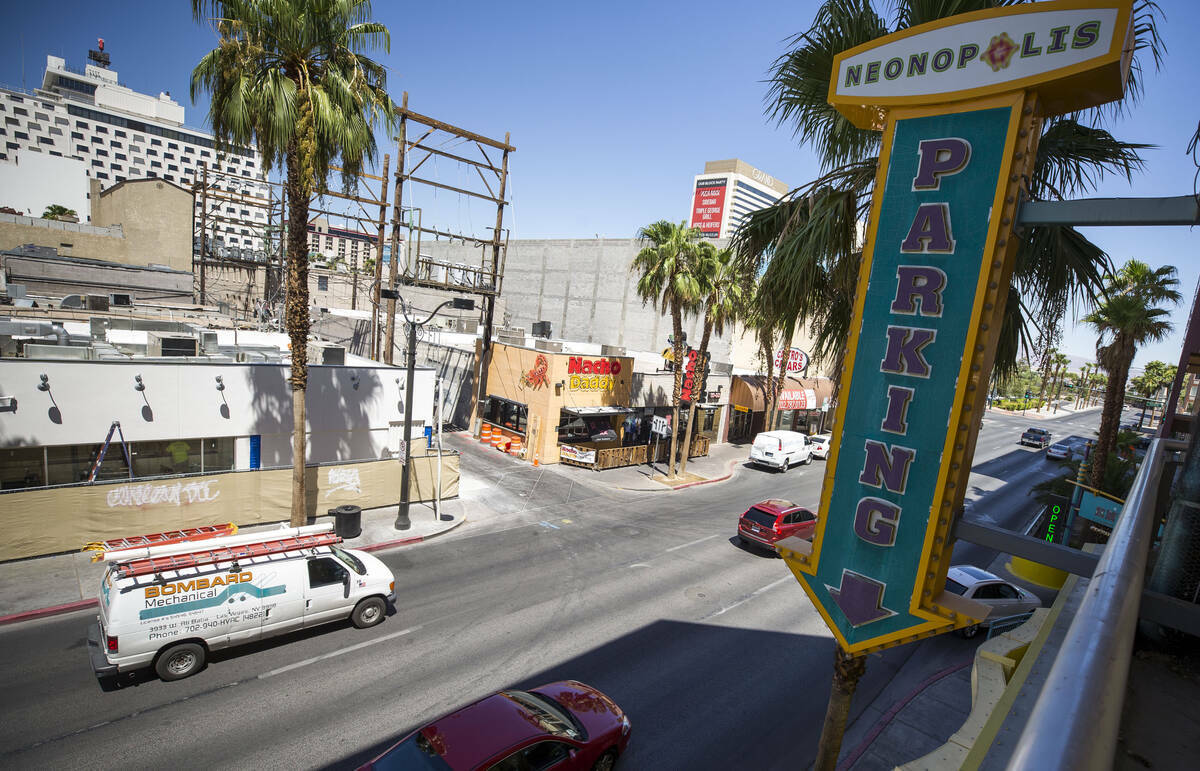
614,107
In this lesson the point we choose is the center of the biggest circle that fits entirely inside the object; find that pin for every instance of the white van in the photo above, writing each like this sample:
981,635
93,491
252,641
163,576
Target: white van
780,449
168,606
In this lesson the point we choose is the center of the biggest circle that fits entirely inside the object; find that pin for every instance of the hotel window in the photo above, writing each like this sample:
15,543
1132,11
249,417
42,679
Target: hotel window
322,283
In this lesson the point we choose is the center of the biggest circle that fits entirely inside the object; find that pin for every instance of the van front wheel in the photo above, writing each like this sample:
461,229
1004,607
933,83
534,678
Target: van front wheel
368,613
180,661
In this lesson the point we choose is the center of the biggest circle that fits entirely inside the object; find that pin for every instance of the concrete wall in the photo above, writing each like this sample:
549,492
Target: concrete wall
69,238
156,217
354,413
30,181
584,288
60,276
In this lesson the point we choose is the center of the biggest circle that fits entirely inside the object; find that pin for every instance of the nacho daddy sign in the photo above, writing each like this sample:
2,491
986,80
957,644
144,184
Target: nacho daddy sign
932,288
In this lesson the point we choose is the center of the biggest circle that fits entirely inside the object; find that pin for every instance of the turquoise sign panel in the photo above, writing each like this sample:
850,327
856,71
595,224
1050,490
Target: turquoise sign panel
924,271
1100,510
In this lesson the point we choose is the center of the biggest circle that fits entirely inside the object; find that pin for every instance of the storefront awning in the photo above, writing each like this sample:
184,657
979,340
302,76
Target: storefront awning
587,412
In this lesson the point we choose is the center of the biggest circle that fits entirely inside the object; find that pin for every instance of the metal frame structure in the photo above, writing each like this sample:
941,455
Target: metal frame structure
424,272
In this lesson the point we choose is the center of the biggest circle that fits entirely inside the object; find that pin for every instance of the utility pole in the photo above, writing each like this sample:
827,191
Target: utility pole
402,519
397,216
377,285
203,223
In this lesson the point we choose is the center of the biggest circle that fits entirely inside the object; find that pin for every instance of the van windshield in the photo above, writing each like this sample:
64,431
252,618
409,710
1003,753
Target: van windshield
354,563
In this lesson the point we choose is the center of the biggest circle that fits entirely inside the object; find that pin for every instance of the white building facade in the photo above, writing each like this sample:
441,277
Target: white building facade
121,134
727,192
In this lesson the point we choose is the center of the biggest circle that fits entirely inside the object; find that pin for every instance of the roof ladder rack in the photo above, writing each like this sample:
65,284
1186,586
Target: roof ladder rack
157,565
160,539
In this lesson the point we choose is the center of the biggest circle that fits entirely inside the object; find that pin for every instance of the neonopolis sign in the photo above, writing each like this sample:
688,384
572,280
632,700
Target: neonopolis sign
1072,49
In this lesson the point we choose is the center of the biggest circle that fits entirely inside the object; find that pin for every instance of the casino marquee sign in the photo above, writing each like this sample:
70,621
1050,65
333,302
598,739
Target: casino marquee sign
960,103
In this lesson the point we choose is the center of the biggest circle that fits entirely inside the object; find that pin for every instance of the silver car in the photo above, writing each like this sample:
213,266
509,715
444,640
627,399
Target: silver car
820,445
1004,598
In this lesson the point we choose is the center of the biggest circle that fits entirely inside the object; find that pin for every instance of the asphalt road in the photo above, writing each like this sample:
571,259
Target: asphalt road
713,650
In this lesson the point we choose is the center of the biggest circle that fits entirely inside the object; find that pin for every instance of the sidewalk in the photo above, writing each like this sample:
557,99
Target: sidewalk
720,464
62,583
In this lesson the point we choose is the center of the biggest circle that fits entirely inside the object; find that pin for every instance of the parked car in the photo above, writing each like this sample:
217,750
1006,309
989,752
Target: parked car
1067,449
1004,598
766,522
780,449
1038,437
564,725
820,445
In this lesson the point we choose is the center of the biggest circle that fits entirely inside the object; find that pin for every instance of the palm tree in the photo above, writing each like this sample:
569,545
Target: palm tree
722,290
806,244
1060,362
1127,318
292,77
57,211
668,265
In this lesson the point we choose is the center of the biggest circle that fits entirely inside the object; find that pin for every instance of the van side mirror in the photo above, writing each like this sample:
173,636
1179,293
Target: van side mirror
346,583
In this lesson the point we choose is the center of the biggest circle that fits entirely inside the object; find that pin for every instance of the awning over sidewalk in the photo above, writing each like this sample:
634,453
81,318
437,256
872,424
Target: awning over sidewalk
749,391
587,412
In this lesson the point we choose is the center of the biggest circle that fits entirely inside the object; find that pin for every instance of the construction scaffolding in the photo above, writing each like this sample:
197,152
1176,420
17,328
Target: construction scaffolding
435,139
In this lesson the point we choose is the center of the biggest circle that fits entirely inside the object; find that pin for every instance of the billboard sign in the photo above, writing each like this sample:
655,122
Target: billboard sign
932,289
708,206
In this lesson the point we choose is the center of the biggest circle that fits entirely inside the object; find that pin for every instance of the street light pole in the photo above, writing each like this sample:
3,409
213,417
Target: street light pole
402,519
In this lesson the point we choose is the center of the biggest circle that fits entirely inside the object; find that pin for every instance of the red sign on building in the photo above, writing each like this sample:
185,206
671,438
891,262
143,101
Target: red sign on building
694,376
708,206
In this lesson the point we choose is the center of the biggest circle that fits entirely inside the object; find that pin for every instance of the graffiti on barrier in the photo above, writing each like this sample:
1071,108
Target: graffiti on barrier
177,494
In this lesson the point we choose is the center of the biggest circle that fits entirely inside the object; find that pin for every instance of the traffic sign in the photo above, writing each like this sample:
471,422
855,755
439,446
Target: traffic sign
660,425
932,290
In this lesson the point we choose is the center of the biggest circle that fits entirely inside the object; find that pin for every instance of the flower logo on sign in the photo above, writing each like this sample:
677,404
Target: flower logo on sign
999,52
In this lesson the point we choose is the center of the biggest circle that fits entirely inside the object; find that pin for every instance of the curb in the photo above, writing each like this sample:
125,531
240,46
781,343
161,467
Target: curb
406,541
53,610
71,607
684,486
890,715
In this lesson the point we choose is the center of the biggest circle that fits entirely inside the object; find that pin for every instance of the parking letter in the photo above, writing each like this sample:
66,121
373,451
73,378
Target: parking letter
923,282
903,355
886,465
940,158
930,231
875,521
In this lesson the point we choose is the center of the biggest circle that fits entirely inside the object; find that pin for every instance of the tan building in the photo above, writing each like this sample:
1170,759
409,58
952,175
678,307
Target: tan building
136,222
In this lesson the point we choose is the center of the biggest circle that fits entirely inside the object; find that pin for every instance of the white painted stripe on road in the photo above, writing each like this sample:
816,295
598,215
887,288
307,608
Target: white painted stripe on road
335,654
692,543
749,597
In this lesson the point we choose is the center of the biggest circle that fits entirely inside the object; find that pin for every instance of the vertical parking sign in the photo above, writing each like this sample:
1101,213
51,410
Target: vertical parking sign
960,102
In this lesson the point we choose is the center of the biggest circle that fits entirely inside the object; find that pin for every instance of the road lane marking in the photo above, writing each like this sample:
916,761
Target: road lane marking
692,543
544,523
749,597
334,654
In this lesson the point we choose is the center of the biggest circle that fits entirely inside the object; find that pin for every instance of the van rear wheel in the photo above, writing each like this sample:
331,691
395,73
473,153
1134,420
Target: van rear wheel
368,613
180,661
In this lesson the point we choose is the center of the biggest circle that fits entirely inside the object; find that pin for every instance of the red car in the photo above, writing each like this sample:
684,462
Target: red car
564,725
766,522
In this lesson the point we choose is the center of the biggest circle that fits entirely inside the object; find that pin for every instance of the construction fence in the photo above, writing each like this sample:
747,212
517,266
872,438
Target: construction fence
52,520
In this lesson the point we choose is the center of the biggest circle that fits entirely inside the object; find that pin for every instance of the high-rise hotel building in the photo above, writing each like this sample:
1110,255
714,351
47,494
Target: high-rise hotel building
121,134
727,192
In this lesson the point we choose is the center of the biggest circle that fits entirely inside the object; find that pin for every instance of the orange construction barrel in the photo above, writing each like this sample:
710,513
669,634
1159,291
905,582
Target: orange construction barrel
515,447
485,433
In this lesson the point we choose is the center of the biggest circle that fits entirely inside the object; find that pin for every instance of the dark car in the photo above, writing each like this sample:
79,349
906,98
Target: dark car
1038,437
766,522
564,725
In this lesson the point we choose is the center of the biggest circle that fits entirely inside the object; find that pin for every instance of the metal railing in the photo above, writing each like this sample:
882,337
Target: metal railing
1075,722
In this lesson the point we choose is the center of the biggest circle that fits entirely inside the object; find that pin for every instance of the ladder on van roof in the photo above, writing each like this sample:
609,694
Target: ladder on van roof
152,565
159,539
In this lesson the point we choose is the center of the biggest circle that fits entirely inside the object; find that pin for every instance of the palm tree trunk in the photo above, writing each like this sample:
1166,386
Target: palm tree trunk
1110,416
846,672
677,330
687,438
296,320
